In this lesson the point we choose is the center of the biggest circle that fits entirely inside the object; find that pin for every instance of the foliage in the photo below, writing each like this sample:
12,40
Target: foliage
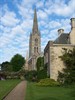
9,75
48,82
16,75
34,75
40,63
21,72
68,74
31,75
60,77
6,66
42,74
17,62
39,74
41,70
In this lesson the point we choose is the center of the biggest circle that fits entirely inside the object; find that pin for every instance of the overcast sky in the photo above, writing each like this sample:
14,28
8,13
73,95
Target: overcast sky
16,21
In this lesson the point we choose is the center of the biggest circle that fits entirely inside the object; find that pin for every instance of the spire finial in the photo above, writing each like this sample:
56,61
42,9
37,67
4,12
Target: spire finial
35,23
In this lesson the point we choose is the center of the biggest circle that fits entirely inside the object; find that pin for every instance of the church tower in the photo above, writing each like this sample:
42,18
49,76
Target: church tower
35,38
34,43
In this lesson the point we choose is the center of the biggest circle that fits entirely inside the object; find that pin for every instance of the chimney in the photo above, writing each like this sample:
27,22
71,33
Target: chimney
60,31
72,23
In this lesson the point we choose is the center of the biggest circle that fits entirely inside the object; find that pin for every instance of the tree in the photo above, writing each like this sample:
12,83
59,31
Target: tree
40,63
68,75
41,70
6,66
17,62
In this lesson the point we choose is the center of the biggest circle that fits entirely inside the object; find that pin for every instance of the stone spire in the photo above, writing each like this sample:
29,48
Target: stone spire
35,23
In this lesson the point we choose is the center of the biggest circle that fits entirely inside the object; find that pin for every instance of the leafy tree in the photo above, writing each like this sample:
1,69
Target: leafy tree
41,70
40,63
17,62
6,66
68,75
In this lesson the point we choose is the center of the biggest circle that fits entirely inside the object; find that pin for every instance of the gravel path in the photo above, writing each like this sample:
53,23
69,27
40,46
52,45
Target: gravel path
18,93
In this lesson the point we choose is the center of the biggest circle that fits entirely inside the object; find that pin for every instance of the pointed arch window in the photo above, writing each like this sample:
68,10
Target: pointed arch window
37,49
34,49
36,41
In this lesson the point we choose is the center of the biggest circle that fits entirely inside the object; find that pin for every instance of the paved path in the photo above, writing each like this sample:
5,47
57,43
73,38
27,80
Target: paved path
18,93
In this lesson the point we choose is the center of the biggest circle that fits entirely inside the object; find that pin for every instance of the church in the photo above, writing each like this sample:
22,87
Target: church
34,44
52,51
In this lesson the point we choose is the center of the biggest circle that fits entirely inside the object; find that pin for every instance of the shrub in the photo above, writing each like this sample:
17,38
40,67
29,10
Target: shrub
48,82
42,74
31,75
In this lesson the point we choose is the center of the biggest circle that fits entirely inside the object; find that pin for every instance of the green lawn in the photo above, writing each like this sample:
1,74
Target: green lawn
49,93
6,86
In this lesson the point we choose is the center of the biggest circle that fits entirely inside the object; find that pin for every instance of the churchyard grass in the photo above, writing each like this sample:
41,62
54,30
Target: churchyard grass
34,92
6,86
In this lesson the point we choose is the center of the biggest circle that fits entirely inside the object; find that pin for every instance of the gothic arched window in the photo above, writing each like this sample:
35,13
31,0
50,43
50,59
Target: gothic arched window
34,49
36,41
37,49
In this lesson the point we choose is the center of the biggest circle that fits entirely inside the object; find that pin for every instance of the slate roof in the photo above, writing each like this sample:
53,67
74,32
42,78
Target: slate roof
62,39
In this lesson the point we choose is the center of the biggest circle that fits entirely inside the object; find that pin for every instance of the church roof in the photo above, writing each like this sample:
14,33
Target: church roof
62,39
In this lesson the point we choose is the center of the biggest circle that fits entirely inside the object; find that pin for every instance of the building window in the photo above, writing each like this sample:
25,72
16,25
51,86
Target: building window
37,49
34,49
36,41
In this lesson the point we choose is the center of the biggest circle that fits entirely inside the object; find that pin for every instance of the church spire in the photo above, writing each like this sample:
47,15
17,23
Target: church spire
35,23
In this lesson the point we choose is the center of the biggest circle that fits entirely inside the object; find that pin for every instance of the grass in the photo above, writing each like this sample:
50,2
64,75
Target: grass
49,93
6,86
